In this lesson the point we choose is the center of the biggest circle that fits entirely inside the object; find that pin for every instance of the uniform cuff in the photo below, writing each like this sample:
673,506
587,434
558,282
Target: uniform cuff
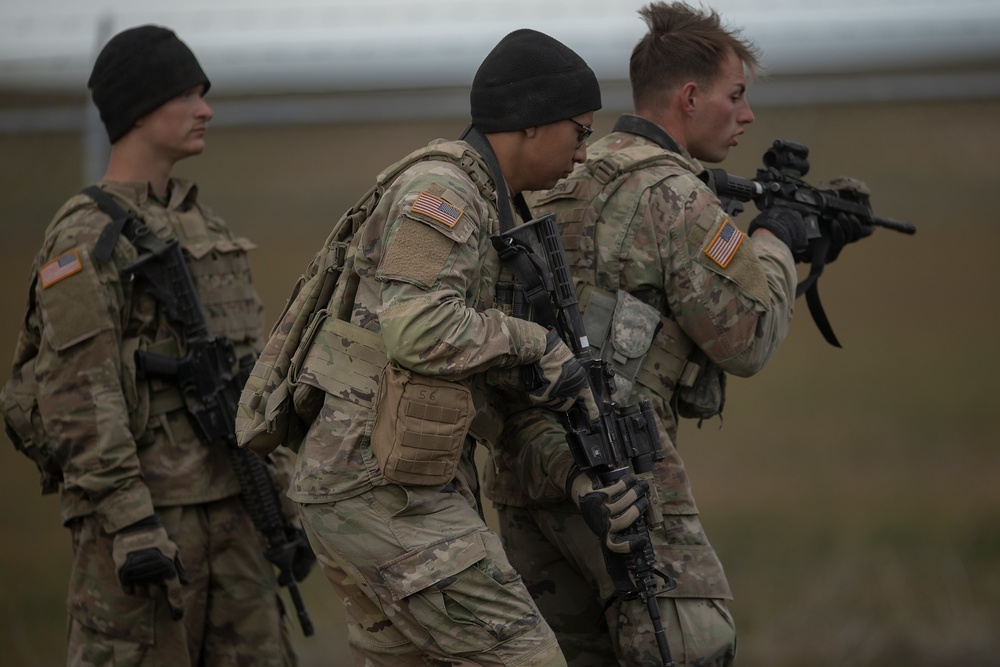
124,507
527,340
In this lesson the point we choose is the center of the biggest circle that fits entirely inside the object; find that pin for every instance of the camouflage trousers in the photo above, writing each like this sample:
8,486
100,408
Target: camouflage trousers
563,568
232,613
425,582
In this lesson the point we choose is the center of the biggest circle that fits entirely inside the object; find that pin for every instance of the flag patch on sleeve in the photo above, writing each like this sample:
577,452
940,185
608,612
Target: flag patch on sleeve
437,208
61,267
724,245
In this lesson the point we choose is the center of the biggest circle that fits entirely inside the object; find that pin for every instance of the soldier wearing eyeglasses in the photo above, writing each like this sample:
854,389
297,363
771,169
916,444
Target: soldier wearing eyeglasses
394,379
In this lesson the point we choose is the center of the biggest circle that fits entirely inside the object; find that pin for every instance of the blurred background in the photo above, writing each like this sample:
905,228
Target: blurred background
853,494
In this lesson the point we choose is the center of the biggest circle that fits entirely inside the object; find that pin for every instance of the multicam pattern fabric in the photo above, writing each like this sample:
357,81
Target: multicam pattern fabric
637,217
425,582
426,287
239,623
125,447
542,541
422,578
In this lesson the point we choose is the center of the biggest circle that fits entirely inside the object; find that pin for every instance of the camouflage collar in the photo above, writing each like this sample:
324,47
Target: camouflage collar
481,144
181,193
649,130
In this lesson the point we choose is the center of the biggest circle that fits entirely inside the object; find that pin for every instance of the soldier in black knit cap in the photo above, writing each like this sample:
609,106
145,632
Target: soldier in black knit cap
390,401
167,566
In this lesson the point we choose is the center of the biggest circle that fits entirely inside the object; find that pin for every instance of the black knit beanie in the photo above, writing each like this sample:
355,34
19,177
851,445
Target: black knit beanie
531,79
138,70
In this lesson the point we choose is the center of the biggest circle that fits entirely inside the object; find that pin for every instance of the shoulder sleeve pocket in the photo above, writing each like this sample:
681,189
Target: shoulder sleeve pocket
72,301
442,210
725,250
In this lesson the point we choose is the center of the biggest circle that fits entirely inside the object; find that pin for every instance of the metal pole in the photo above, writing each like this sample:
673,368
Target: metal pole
96,149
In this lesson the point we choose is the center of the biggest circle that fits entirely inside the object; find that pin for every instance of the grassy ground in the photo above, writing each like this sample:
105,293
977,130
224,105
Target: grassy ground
852,493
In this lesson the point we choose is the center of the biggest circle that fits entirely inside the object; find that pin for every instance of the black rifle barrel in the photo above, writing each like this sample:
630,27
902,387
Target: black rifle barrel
744,189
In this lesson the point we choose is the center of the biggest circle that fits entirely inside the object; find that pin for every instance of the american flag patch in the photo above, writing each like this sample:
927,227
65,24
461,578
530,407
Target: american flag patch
61,267
724,245
437,208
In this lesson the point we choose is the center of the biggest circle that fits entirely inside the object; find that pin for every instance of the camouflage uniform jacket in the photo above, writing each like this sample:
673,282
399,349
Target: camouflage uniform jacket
659,236
125,445
425,271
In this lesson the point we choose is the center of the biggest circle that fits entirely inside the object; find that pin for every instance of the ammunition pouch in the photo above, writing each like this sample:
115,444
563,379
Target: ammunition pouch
622,329
706,395
348,361
420,427
671,366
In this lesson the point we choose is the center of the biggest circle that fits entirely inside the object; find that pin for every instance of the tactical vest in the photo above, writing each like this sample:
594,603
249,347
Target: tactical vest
220,270
667,362
314,349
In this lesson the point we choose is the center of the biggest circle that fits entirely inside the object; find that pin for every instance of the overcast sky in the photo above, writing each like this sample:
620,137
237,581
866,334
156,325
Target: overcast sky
294,45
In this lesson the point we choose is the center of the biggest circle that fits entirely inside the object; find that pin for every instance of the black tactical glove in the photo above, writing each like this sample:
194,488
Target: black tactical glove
610,510
788,226
303,557
146,561
844,229
557,380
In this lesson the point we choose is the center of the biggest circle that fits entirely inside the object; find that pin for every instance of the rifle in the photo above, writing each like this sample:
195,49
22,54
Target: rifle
622,439
779,183
208,385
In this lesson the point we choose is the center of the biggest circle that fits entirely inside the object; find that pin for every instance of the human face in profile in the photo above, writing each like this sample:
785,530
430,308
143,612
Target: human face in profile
176,129
557,148
720,114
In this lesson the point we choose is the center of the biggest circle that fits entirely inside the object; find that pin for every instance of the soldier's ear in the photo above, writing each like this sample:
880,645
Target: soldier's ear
688,95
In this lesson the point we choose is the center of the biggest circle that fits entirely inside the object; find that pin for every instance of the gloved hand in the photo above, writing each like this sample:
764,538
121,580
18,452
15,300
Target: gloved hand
557,380
788,226
146,560
302,557
844,229
610,510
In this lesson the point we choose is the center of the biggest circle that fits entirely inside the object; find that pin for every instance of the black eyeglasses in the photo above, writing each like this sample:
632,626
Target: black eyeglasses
583,134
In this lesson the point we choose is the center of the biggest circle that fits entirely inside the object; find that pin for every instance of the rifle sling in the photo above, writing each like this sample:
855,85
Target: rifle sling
810,287
524,264
477,140
648,130
518,257
122,222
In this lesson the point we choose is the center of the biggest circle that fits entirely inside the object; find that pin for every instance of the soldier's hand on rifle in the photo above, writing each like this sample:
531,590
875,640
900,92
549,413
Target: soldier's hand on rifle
147,561
610,510
844,229
788,226
303,557
557,380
